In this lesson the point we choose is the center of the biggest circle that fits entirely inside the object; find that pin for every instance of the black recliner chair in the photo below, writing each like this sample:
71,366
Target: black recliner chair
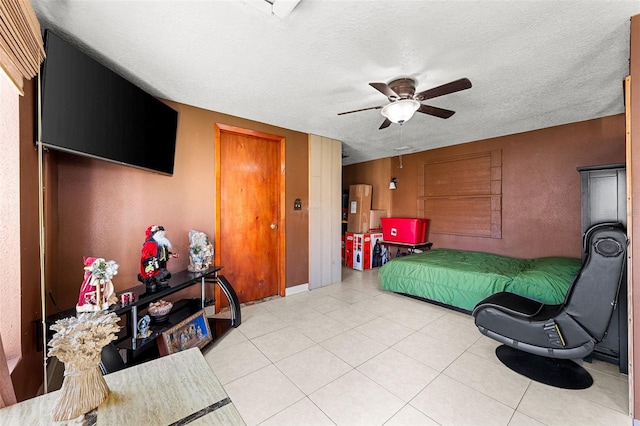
568,331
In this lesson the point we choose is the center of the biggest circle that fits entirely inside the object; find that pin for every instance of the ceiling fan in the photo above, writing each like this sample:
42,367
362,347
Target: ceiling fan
404,101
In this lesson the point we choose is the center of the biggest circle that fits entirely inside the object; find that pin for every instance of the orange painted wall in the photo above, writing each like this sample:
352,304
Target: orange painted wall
540,185
103,209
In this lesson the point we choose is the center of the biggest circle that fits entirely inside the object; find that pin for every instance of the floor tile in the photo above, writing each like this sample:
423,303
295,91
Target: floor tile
278,303
320,328
384,330
553,406
486,348
429,351
453,329
399,374
607,390
605,367
352,347
262,394
282,343
350,353
412,318
326,304
236,361
313,368
370,405
249,311
520,419
351,316
261,324
376,305
408,416
449,402
230,338
496,381
302,412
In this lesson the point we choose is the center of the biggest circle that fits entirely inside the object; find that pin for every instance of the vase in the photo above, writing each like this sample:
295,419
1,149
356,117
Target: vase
83,389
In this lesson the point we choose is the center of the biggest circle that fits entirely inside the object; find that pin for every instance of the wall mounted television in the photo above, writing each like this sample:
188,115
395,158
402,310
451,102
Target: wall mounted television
88,109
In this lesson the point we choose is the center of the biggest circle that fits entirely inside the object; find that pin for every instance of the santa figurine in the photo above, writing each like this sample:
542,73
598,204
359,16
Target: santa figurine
156,251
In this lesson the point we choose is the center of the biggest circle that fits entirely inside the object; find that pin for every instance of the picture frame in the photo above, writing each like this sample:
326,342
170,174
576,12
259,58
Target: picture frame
191,332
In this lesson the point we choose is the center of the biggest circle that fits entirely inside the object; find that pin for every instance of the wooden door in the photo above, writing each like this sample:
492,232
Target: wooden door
250,216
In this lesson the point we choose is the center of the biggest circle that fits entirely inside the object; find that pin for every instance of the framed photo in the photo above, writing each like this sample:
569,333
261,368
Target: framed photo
189,333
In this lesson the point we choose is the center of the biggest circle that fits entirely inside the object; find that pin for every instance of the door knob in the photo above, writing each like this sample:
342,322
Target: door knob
274,226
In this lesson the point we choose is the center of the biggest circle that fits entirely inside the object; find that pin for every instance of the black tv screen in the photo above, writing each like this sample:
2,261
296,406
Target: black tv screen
90,110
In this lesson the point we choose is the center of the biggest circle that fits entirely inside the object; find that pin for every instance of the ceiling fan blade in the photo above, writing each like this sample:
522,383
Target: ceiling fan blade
445,89
362,109
386,123
385,90
438,112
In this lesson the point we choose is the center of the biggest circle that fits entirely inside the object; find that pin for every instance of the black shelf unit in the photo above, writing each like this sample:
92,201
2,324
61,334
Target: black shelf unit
137,349
604,199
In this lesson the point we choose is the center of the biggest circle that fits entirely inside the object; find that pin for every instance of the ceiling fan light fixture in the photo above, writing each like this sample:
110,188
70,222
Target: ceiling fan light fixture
400,111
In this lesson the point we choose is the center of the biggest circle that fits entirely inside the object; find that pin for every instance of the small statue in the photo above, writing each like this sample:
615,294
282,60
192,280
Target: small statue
143,327
153,261
97,292
200,251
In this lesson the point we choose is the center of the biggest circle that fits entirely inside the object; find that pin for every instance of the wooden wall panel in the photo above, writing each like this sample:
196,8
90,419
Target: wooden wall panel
458,176
465,216
462,195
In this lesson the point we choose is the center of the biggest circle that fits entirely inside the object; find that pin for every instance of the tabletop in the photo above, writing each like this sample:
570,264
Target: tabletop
174,390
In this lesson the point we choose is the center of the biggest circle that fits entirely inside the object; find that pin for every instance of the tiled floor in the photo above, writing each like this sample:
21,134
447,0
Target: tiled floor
351,354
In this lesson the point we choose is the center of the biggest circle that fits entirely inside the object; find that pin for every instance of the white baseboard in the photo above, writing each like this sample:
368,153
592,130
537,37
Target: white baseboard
300,288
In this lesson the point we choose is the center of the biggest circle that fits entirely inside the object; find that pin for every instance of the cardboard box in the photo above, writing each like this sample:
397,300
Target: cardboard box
362,256
359,208
348,249
405,229
374,220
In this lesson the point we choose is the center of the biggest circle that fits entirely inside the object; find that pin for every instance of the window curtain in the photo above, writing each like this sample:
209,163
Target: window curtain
21,49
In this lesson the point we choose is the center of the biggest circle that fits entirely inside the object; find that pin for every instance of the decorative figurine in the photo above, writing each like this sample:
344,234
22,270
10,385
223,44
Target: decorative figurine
143,327
97,292
156,251
377,255
78,343
200,251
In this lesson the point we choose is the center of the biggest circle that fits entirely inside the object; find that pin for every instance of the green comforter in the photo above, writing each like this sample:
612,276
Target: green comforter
463,278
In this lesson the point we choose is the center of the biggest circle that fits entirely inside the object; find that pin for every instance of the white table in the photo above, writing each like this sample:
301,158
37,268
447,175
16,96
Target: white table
179,388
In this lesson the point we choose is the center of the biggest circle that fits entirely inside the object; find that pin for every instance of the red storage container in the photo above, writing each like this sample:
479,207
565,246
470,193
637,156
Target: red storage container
404,229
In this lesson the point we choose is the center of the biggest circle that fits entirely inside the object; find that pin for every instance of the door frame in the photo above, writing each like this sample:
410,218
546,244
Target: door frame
219,129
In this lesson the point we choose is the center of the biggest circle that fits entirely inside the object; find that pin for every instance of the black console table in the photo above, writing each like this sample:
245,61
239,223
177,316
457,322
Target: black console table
128,339
410,247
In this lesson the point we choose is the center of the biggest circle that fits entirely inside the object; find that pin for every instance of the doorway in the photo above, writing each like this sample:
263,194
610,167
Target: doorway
250,217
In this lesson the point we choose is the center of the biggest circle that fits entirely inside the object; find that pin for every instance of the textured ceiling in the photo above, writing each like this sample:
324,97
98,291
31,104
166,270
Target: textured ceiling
533,64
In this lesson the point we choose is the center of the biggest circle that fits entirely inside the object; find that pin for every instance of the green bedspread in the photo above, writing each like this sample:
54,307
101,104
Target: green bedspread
463,278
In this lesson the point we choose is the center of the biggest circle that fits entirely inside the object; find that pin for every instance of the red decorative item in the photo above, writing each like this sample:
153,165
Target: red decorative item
156,251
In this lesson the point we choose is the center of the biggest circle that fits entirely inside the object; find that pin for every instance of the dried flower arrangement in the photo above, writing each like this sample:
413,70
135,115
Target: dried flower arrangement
78,343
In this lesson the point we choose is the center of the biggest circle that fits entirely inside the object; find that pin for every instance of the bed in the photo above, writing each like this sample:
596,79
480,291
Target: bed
460,279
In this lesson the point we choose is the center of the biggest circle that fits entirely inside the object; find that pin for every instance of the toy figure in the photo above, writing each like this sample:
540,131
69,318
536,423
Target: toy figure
153,261
97,292
377,255
143,327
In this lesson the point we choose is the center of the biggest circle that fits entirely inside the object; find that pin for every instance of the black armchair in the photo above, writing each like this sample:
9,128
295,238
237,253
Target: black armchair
569,330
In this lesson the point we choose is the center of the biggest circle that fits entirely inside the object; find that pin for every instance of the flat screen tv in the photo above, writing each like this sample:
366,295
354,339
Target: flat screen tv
88,109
